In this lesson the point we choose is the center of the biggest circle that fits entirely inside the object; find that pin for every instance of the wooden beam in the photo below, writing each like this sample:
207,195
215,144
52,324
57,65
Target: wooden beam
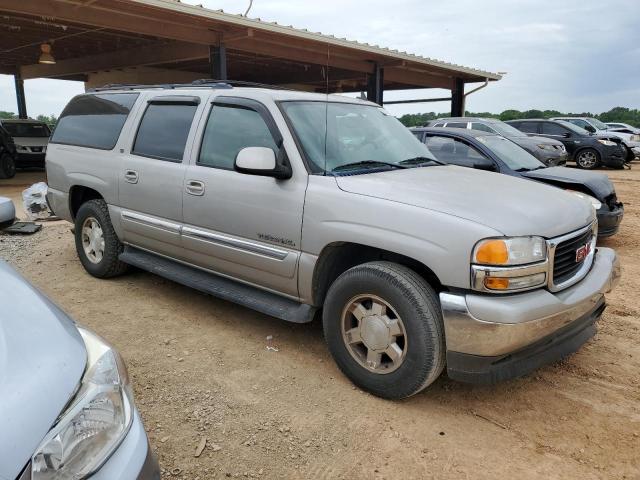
419,79
94,17
135,57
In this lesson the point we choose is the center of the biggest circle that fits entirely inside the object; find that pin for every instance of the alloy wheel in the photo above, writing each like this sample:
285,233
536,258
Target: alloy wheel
93,240
374,334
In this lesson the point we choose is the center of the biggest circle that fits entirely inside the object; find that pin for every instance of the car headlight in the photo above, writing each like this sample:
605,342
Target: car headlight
635,138
546,146
608,143
594,201
510,251
21,148
509,264
94,423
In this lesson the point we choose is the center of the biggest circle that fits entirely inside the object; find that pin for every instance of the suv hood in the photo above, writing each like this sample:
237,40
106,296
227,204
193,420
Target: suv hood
598,183
42,359
512,206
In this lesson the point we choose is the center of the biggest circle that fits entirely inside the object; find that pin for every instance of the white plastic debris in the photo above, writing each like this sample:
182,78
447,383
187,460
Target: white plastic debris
35,202
270,346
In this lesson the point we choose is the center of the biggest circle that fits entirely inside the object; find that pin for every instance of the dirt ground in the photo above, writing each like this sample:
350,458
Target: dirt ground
200,369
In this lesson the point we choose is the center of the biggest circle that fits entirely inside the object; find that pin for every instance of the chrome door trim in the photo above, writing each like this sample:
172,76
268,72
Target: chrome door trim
227,241
151,221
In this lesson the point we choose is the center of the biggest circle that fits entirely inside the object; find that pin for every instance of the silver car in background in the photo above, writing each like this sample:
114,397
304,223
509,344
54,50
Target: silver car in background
66,407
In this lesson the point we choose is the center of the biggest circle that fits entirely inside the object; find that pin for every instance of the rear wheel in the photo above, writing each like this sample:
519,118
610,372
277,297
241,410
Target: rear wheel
97,244
7,166
384,329
588,159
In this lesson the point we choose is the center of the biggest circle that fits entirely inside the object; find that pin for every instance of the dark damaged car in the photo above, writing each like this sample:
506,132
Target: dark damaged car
487,151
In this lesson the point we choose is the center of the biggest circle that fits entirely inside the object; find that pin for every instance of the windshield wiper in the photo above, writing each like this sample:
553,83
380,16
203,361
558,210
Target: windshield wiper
366,164
420,161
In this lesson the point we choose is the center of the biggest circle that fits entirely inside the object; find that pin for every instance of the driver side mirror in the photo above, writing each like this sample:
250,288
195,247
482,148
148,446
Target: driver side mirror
261,161
484,164
566,135
589,128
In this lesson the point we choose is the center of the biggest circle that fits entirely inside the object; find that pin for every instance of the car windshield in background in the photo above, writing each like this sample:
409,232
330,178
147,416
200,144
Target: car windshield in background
598,124
21,129
506,129
514,156
574,127
358,137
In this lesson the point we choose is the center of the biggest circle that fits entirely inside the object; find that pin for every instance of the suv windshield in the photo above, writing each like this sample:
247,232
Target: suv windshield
506,129
598,124
23,129
341,137
515,157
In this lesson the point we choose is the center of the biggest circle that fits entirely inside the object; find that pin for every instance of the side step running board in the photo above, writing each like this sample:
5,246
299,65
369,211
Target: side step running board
224,288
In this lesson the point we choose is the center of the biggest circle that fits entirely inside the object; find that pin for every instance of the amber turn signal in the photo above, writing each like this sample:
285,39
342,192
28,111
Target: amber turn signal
492,252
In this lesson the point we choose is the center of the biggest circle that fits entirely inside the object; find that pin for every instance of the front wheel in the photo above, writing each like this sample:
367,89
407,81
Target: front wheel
384,329
97,244
7,166
588,159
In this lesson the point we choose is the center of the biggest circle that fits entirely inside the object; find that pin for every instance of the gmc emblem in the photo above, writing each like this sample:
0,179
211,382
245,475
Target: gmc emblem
582,252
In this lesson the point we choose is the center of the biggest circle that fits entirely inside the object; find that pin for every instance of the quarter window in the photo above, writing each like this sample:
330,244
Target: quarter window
94,121
230,129
482,127
163,131
549,128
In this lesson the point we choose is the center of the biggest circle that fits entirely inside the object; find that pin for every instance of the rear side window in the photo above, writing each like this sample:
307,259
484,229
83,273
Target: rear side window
229,130
528,127
549,128
163,131
482,127
94,121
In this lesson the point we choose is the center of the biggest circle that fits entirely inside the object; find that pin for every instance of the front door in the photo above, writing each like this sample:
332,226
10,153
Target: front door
244,226
152,174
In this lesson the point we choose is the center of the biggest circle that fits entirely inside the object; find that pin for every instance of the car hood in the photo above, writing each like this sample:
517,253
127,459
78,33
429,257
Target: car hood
598,183
512,206
31,141
42,359
534,141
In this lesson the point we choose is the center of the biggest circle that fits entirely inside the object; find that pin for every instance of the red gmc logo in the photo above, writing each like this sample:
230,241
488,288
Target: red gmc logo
582,252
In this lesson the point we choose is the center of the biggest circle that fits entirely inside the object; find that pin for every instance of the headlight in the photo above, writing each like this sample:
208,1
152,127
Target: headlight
546,146
95,422
21,148
635,138
503,265
608,143
510,251
594,201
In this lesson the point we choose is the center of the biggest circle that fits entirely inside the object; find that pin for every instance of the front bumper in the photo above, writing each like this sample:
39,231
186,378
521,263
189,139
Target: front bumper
613,157
133,459
609,220
493,338
30,160
636,151
552,158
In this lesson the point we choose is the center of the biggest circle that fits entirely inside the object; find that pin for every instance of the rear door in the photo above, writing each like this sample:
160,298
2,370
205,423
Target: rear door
152,173
244,226
560,133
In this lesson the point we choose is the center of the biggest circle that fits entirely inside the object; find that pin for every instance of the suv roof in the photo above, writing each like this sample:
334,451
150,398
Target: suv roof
462,132
277,93
466,119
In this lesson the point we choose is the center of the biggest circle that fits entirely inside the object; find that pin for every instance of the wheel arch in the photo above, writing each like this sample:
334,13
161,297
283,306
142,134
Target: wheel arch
79,194
338,257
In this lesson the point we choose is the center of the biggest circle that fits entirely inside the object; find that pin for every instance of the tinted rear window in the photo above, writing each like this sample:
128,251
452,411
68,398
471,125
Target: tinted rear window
22,129
94,121
164,130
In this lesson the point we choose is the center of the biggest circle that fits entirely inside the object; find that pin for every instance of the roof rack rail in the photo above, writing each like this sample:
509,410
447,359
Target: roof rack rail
201,83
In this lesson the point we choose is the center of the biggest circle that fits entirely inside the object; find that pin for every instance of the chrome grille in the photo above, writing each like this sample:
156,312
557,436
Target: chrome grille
567,269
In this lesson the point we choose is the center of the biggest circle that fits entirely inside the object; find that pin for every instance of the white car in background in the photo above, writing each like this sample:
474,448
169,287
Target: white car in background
630,140
623,128
31,138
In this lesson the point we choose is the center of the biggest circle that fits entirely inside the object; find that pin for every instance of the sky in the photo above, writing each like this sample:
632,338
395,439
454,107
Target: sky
567,55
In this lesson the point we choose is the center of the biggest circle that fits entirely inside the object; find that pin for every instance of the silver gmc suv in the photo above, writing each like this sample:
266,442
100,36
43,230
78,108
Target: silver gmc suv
295,203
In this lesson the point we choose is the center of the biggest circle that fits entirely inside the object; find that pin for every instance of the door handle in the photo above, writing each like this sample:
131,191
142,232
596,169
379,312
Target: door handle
131,176
195,187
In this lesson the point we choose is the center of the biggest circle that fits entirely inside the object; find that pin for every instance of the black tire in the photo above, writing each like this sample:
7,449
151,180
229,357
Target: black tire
7,166
109,265
584,159
415,302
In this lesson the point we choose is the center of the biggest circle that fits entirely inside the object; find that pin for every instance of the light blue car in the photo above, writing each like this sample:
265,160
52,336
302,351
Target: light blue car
66,404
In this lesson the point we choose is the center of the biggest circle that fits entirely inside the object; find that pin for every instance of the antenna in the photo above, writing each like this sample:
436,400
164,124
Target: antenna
248,8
